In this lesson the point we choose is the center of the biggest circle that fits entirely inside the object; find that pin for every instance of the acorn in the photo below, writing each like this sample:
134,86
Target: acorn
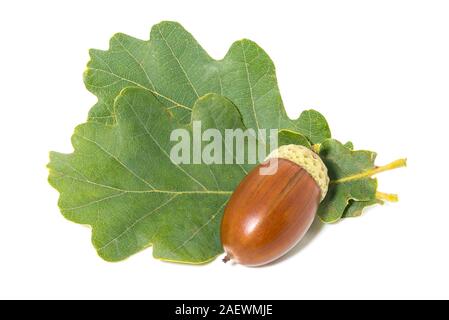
267,215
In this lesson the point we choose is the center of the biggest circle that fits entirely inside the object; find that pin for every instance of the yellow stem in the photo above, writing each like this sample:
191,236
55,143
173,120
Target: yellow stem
393,165
387,197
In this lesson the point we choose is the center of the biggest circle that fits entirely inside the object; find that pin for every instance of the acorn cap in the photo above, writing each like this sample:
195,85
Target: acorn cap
308,160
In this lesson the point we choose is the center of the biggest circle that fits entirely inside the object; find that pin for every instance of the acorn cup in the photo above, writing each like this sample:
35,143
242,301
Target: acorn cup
268,214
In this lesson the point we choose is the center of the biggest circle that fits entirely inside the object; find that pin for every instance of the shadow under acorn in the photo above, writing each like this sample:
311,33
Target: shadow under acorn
311,234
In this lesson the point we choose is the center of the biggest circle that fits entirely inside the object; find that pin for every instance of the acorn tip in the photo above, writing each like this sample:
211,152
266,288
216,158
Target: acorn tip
226,258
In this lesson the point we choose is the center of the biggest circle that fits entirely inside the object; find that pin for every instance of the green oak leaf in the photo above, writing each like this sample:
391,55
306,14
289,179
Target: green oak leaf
351,188
177,70
120,181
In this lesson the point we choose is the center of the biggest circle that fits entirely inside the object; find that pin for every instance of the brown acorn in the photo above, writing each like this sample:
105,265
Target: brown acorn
268,214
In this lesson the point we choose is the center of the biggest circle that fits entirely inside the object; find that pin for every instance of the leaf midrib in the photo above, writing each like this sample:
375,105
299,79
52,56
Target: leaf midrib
105,186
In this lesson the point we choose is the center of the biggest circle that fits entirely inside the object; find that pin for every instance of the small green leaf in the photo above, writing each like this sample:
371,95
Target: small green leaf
120,180
347,171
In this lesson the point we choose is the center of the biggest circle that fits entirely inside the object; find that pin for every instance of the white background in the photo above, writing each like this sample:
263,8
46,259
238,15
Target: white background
378,70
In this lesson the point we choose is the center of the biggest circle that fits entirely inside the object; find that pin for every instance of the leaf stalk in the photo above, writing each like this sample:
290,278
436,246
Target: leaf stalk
391,166
390,197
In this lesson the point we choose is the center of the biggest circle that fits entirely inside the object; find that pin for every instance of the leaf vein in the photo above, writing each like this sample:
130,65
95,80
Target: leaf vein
150,82
86,205
178,62
218,192
202,227
140,86
117,160
136,222
162,149
250,87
